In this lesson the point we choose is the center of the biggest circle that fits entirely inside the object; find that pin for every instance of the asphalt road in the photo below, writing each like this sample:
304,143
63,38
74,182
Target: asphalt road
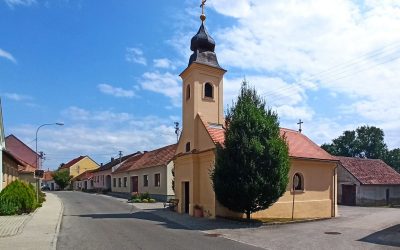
97,222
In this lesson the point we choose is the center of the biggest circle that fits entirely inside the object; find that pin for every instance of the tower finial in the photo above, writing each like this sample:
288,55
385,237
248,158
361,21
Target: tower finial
202,16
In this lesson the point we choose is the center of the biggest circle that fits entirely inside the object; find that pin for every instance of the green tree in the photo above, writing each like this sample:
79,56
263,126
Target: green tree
251,169
364,142
393,158
62,178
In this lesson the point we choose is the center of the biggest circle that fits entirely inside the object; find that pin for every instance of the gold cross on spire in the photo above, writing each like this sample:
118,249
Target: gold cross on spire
203,3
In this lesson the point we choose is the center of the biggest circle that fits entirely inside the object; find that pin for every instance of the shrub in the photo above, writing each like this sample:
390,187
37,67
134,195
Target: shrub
145,196
135,196
145,201
17,198
152,200
136,200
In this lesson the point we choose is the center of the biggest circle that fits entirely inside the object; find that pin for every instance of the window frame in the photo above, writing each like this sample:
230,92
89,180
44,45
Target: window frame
300,187
125,181
206,84
159,180
145,180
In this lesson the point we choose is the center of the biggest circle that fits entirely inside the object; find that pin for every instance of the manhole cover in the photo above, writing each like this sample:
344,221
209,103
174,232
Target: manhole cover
334,233
213,235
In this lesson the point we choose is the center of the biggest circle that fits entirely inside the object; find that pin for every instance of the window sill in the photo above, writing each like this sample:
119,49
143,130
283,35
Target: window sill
208,99
297,191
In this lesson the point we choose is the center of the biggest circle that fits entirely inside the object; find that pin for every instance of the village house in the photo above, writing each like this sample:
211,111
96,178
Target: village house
79,165
150,172
367,182
48,181
84,181
314,170
102,175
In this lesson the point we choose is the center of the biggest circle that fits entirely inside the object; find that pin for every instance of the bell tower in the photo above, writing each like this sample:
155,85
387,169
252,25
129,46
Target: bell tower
202,84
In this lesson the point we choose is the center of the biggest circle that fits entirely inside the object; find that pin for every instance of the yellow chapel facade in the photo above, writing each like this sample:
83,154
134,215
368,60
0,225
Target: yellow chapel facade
313,171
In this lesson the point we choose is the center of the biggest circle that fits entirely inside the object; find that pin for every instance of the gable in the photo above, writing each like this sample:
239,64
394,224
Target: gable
21,150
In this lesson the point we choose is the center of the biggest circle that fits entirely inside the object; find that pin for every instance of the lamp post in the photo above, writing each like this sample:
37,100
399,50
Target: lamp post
37,156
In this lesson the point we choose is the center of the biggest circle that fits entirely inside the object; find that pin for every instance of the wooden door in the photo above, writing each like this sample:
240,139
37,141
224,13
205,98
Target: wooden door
186,196
134,184
349,195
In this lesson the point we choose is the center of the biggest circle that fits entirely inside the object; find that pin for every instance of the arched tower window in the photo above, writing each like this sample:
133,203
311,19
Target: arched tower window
298,182
188,92
208,90
188,147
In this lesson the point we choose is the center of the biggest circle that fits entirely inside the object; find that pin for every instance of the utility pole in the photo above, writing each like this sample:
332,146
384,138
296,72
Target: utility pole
120,156
177,130
299,123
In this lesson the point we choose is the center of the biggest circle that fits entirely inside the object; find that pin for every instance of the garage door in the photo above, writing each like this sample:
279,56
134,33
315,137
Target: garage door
349,195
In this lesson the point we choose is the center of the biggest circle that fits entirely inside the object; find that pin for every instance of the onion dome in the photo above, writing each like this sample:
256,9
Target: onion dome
203,46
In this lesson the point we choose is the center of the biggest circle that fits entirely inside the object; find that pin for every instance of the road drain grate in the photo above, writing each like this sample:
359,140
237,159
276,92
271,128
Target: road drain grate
333,233
212,235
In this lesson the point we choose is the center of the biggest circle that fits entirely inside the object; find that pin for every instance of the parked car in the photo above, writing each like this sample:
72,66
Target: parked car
45,188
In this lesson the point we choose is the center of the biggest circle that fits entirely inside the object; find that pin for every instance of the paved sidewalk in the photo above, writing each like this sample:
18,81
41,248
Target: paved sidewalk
12,225
41,230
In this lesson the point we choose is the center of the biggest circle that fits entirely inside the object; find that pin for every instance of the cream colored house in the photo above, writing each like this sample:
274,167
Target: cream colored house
149,172
202,116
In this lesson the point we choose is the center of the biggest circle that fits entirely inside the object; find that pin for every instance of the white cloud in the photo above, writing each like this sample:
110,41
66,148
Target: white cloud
166,84
115,91
344,47
13,3
7,55
17,97
164,63
99,134
135,55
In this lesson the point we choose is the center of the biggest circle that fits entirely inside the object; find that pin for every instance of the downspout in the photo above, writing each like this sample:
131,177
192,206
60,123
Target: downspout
294,194
334,191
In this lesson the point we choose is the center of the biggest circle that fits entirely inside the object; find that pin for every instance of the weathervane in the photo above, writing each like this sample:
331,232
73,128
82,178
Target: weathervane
203,17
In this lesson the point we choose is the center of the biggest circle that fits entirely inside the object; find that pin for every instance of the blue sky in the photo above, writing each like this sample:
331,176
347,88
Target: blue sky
109,69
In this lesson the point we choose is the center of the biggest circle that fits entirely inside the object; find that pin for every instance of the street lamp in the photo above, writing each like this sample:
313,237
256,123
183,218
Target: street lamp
37,156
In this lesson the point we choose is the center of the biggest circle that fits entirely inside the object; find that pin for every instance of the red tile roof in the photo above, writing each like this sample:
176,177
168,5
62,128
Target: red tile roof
72,162
21,150
158,157
300,146
87,175
370,171
48,176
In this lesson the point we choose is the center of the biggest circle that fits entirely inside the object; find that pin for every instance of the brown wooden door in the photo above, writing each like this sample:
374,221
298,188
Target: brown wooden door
349,195
134,184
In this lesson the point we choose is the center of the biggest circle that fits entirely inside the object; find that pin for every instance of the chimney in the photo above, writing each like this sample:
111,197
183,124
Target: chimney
101,164
112,158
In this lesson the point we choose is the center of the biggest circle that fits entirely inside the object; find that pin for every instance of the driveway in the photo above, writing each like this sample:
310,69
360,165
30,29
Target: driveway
356,228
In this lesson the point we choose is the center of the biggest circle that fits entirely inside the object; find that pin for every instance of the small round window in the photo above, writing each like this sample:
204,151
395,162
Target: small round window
298,182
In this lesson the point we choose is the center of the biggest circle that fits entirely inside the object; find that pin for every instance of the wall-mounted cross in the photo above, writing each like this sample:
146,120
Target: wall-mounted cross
299,123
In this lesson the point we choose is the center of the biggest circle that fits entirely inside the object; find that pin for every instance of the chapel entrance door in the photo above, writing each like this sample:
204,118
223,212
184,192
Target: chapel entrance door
186,197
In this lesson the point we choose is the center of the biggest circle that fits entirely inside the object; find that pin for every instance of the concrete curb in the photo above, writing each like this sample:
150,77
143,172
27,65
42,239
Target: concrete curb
58,226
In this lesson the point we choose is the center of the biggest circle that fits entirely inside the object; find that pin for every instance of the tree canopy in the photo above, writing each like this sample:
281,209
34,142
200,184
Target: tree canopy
251,169
364,142
62,178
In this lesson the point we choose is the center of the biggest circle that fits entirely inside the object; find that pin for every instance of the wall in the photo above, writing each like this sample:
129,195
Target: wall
316,201
375,195
101,182
163,192
81,166
28,177
10,170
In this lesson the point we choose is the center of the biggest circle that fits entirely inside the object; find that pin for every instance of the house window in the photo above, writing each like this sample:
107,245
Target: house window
188,92
298,182
114,182
125,181
208,90
145,180
157,180
187,146
119,182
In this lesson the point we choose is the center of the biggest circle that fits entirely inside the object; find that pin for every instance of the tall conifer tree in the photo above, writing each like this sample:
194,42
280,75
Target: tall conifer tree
251,169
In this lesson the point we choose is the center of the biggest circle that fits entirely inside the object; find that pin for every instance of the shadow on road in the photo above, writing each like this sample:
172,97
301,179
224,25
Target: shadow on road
173,220
389,237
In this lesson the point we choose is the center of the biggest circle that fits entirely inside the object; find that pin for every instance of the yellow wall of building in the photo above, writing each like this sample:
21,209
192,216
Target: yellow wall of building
82,166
